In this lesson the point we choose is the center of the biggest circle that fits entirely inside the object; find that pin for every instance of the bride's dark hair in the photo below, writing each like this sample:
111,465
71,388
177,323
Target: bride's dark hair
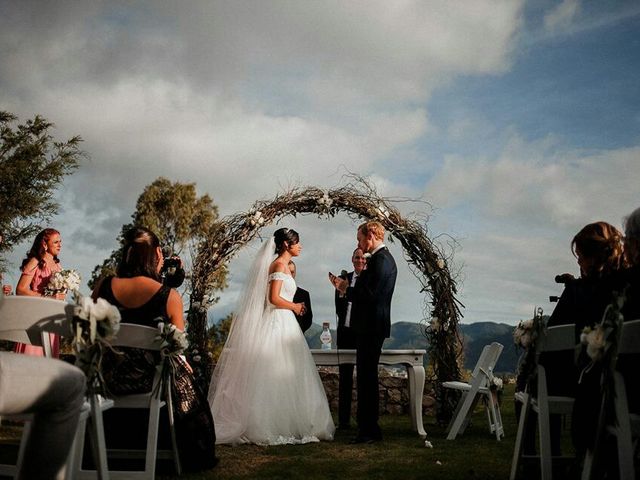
285,235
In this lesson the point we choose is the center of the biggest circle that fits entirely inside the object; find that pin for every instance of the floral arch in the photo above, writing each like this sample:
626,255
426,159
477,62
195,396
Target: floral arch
360,201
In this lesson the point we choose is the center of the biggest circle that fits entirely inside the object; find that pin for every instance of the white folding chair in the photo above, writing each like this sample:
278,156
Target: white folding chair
31,320
138,336
623,426
552,339
479,387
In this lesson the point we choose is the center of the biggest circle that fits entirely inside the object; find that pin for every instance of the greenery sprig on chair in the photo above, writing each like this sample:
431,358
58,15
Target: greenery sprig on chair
524,337
600,342
173,345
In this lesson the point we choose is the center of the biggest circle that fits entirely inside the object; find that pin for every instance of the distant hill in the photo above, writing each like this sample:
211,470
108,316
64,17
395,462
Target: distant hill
408,335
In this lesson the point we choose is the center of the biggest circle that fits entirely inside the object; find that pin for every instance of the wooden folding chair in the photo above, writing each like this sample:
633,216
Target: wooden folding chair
479,387
623,426
552,339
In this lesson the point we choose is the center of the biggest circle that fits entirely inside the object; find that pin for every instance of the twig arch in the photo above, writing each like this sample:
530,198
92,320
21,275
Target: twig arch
359,200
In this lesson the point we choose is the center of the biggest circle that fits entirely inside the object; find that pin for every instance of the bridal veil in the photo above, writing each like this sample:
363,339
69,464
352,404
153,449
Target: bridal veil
231,377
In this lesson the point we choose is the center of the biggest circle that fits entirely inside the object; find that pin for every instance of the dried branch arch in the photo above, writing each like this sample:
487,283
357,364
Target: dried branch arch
359,200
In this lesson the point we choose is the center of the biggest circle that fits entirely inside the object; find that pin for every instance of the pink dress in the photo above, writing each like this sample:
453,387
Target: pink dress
39,282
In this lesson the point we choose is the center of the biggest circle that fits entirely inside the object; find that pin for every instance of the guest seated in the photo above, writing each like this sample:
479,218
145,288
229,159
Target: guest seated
41,262
53,391
598,248
142,299
631,310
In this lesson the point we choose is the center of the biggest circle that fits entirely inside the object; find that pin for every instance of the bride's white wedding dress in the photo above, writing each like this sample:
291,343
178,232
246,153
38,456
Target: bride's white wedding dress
266,388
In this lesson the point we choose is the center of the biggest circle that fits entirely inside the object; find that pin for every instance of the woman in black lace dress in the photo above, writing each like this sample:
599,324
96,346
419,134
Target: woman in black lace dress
142,299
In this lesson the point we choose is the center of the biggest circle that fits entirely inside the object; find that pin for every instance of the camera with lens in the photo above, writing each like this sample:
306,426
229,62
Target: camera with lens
171,272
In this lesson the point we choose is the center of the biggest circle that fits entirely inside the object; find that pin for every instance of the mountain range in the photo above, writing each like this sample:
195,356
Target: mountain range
408,335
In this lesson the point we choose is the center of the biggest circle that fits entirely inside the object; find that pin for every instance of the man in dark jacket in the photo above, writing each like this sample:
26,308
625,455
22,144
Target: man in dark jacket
371,300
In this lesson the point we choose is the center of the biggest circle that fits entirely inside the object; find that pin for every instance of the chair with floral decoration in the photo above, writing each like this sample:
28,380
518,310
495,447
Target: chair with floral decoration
552,339
616,421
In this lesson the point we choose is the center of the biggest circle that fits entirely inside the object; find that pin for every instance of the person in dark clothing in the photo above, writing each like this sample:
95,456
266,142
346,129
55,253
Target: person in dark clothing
142,299
371,299
347,339
599,252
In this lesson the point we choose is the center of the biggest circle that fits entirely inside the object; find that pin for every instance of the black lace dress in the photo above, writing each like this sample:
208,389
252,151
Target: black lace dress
132,371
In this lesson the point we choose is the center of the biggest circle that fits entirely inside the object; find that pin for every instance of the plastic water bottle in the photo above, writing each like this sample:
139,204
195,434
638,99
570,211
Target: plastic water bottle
325,336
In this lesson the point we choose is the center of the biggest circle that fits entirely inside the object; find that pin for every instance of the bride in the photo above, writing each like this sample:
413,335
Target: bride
265,388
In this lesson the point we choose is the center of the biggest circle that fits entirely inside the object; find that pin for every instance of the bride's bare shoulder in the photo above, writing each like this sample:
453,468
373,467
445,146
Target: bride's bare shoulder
277,266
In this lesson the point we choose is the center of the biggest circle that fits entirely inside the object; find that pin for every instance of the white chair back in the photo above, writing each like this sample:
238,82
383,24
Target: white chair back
137,336
556,339
22,319
629,338
551,339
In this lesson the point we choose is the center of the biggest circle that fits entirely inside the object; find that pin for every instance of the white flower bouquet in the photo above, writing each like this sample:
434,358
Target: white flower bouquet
174,341
62,282
173,345
496,383
94,325
524,333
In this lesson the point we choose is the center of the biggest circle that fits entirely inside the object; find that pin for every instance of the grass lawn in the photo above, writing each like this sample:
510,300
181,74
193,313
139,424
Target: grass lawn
402,454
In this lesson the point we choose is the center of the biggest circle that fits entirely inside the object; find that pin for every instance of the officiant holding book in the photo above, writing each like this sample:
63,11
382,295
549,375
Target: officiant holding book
347,339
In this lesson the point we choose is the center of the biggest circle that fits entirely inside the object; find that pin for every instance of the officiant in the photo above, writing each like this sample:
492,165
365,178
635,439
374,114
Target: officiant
347,339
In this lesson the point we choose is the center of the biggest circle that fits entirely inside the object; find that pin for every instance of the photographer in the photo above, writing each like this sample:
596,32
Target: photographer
172,271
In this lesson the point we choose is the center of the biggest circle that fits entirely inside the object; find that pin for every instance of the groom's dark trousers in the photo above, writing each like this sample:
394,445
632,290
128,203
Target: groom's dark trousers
371,315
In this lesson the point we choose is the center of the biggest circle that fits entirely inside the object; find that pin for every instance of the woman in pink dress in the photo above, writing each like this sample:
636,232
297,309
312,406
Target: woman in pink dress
41,262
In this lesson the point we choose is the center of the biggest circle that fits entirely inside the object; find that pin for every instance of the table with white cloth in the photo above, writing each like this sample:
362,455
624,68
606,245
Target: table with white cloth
412,360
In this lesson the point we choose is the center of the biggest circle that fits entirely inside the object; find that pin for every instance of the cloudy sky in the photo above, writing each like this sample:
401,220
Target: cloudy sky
518,122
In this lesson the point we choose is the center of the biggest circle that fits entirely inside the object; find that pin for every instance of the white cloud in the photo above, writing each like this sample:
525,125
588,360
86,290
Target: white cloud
541,182
562,15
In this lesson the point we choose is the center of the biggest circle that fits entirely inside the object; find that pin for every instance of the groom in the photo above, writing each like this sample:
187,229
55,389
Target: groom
371,305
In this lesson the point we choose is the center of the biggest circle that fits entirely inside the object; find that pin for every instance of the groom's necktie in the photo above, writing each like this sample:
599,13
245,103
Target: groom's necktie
347,317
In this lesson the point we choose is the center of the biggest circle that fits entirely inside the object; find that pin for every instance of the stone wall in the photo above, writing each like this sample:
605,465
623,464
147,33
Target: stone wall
393,390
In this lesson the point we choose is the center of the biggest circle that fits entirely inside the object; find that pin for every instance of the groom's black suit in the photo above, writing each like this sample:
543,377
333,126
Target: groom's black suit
371,321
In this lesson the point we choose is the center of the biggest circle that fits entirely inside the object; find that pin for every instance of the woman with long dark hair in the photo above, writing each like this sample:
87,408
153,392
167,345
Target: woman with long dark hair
265,388
37,268
142,299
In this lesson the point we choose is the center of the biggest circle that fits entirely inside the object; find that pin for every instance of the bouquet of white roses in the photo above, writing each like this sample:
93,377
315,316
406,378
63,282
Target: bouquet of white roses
523,335
174,341
62,282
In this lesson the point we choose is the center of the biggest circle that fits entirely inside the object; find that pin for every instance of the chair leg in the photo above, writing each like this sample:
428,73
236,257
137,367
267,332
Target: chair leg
623,430
152,437
74,462
23,444
497,417
467,418
544,431
172,430
459,420
522,425
97,439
